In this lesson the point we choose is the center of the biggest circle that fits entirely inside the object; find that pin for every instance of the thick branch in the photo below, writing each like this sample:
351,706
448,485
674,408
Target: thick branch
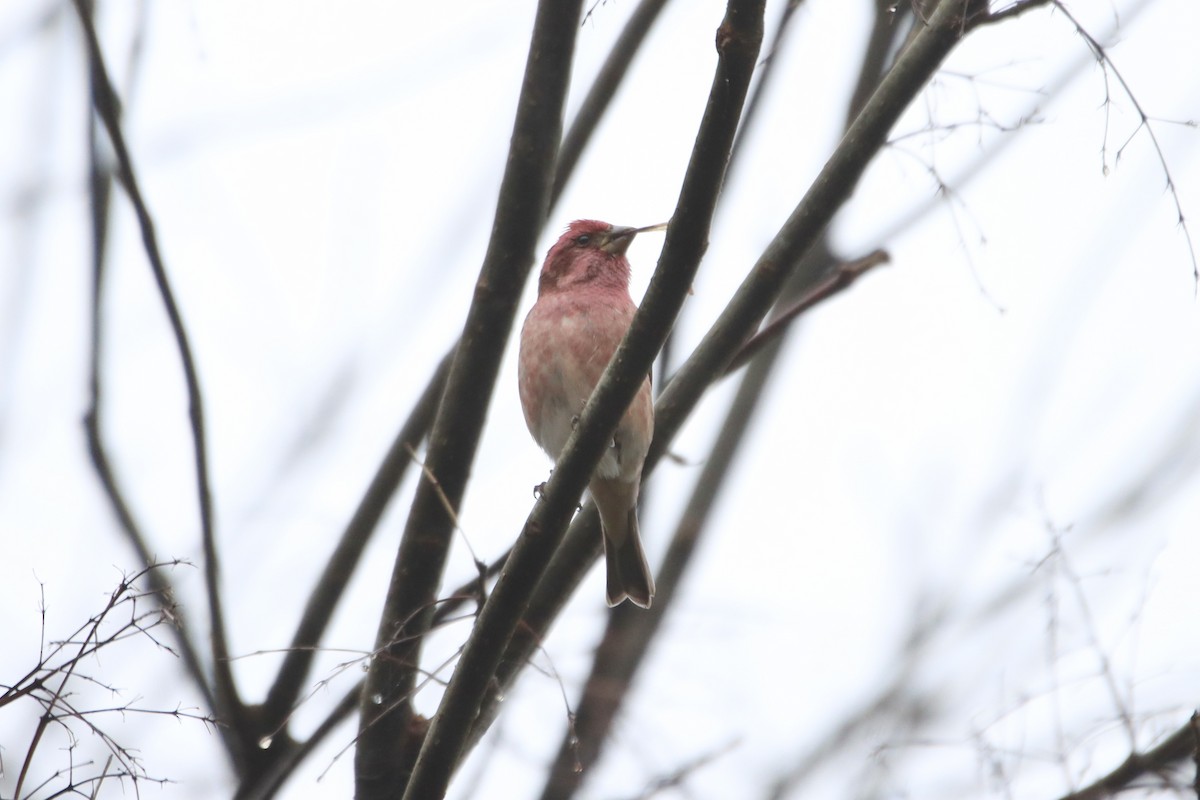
738,41
521,210
286,689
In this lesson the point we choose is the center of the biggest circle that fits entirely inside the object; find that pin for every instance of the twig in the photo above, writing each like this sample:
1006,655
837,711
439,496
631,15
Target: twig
837,280
448,506
999,145
888,28
1106,62
898,703
61,665
680,774
1016,9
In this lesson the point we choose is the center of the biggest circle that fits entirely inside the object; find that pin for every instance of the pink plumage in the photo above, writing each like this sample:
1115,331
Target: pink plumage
582,312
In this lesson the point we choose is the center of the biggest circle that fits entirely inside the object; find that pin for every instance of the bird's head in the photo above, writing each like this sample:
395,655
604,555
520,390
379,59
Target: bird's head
590,253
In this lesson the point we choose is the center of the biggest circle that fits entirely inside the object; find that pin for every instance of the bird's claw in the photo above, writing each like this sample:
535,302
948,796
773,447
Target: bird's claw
539,490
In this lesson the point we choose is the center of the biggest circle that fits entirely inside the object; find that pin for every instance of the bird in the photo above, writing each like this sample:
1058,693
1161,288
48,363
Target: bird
582,312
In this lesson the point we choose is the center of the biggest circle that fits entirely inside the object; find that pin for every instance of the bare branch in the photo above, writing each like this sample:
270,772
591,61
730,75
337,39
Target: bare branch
1175,748
738,41
100,194
521,210
61,666
838,279
107,106
781,262
1145,121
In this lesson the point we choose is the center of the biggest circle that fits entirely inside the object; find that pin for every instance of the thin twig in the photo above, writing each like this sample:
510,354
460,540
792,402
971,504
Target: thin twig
838,279
61,666
677,777
999,145
269,782
1106,62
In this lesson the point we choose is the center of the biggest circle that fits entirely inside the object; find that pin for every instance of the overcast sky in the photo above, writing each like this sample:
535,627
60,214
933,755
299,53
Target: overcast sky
1019,387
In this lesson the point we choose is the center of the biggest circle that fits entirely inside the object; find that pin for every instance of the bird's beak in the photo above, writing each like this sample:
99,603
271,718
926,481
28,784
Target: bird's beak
618,240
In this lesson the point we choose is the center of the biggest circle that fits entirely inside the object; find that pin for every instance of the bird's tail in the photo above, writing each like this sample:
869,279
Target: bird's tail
628,572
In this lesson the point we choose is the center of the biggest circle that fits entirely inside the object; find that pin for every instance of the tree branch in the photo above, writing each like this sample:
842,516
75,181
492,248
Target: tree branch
1175,748
628,636
887,28
835,280
1103,58
832,188
738,41
107,105
521,210
287,686
100,195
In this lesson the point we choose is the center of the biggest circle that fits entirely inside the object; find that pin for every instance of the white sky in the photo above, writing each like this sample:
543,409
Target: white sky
323,179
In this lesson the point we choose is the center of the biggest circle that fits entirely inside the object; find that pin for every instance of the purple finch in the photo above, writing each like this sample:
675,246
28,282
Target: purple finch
582,312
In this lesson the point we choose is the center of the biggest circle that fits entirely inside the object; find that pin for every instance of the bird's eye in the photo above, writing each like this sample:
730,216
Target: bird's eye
582,240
